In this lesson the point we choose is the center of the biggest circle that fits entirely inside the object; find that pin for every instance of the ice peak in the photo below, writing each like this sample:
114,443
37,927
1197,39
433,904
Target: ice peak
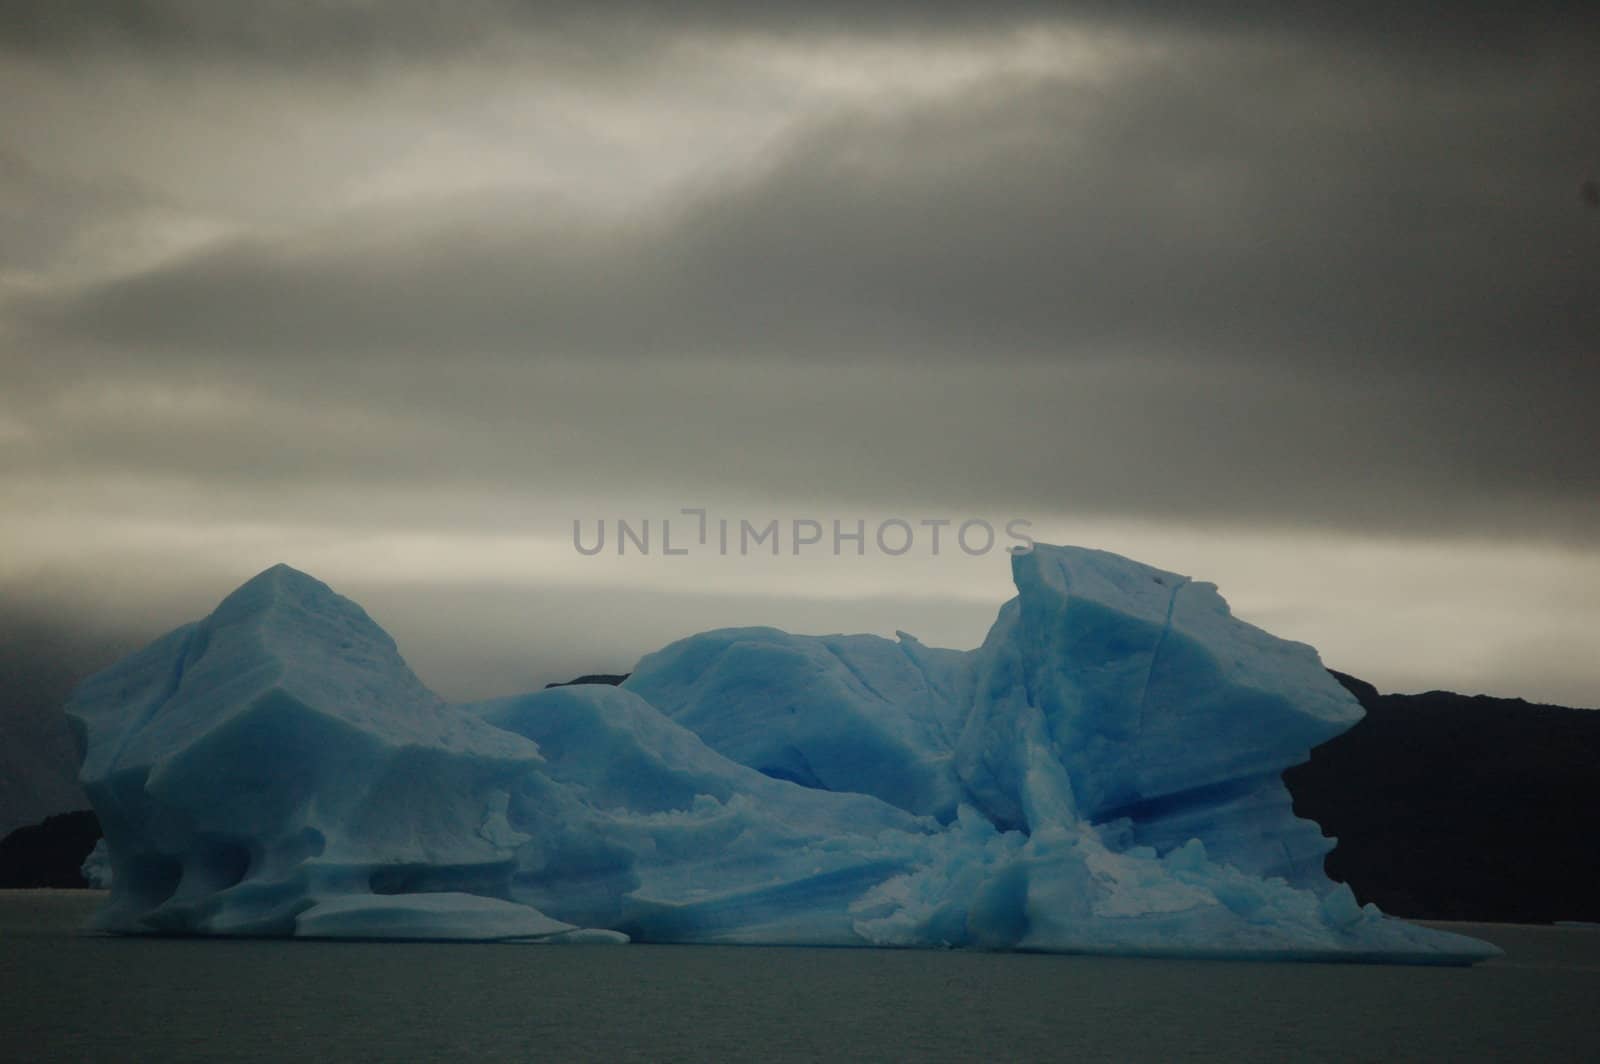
279,583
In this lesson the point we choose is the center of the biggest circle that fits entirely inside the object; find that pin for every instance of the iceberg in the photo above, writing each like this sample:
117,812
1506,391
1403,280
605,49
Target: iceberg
1102,775
277,757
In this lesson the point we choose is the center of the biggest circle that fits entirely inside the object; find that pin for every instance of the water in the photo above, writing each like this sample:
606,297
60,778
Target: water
70,996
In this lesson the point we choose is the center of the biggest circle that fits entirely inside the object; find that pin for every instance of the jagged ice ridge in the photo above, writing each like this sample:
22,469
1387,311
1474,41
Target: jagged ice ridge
1101,775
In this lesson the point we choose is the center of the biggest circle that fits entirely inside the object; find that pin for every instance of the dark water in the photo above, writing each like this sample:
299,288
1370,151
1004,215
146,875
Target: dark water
69,996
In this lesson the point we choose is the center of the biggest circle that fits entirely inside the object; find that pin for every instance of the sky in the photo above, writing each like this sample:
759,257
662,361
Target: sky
1303,303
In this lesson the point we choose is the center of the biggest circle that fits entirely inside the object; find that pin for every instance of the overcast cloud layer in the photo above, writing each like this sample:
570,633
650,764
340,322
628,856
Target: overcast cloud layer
1303,304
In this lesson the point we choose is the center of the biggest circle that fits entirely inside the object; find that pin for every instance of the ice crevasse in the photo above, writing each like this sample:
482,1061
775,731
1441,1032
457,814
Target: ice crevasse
1101,775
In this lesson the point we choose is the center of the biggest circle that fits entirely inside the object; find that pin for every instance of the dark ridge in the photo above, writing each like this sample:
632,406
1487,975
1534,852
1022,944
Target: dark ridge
1457,807
1365,693
613,679
49,854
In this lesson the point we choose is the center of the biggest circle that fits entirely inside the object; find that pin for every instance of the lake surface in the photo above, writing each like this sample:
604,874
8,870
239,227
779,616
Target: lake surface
66,995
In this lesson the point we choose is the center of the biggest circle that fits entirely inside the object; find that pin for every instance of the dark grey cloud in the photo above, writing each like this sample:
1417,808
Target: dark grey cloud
1385,272
1151,440
1277,207
350,32
163,28
46,215
324,270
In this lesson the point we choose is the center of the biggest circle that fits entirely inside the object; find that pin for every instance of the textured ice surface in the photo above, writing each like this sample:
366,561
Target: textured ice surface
636,824
1153,708
840,712
1101,775
279,754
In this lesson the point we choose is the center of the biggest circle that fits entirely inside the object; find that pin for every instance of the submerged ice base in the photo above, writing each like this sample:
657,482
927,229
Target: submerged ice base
1101,775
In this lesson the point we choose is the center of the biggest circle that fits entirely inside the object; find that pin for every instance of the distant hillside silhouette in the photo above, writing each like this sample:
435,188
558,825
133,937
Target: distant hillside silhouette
611,678
49,854
1457,807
